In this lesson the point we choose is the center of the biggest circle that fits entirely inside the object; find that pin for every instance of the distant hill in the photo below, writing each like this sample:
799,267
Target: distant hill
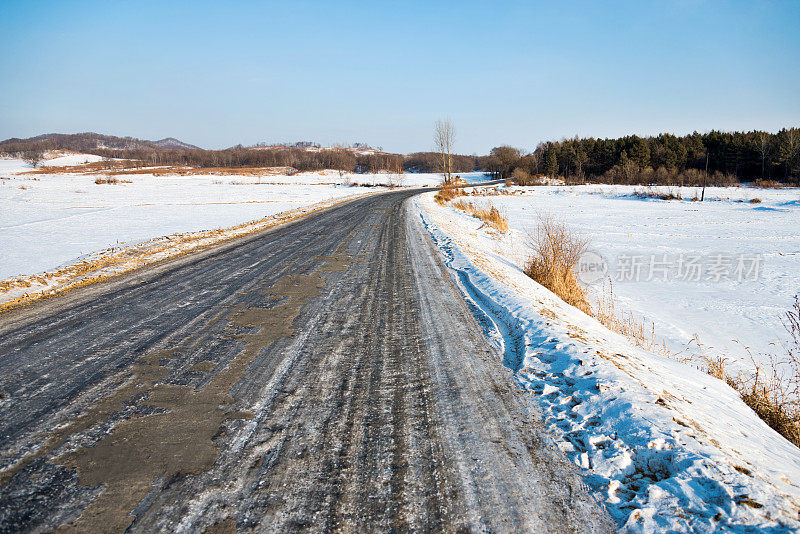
90,142
357,149
170,143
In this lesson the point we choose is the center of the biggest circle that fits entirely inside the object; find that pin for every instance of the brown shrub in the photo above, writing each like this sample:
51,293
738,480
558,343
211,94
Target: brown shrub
556,251
768,184
522,177
106,180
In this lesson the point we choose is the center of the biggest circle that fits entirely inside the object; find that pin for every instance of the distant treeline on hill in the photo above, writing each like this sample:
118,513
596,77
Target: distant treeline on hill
303,156
298,158
712,158
87,143
716,157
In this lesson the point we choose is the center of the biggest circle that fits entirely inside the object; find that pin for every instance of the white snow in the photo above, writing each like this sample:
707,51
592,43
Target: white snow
665,446
68,159
55,219
730,318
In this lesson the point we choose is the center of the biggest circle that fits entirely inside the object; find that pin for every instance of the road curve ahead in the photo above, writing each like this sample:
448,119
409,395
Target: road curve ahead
323,376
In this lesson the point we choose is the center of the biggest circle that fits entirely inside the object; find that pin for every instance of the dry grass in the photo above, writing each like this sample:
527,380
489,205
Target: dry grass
447,193
768,184
669,194
489,214
493,192
755,200
556,251
627,324
772,391
96,167
106,180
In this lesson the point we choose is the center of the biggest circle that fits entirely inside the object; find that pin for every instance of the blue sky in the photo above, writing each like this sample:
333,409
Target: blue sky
220,73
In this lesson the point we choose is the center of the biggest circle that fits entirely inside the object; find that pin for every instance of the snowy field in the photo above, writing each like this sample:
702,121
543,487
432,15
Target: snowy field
47,221
666,447
55,219
722,272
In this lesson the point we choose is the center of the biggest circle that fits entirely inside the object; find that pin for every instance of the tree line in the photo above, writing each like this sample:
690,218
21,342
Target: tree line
720,157
297,155
432,162
297,158
713,158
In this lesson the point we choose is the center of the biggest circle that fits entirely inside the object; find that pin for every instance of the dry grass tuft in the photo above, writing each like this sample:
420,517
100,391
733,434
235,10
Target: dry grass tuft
771,390
489,214
768,184
106,180
447,193
670,194
755,200
556,251
627,324
774,392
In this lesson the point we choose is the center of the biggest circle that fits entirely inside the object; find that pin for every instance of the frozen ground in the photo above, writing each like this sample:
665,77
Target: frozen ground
47,220
667,447
727,316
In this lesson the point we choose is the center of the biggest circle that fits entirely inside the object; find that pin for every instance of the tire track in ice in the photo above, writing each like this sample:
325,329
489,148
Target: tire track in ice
494,318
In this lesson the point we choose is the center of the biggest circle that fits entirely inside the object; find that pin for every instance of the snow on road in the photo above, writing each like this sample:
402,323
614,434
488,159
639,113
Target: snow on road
665,446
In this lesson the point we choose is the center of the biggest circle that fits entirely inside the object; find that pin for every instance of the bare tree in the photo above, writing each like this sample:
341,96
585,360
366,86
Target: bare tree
444,137
33,157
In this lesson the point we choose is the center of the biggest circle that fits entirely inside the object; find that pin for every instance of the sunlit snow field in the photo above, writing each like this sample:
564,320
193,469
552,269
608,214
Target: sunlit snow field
727,316
49,220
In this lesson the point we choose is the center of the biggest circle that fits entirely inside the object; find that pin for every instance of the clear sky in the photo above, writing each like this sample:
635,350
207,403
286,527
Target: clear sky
220,73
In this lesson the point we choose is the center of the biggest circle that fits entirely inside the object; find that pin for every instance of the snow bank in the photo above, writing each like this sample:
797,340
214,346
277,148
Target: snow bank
665,446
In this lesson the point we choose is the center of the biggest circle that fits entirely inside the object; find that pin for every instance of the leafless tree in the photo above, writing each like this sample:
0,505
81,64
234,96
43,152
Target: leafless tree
444,137
33,157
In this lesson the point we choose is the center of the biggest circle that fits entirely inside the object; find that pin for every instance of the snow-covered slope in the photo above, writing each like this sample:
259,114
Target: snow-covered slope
665,446
171,143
